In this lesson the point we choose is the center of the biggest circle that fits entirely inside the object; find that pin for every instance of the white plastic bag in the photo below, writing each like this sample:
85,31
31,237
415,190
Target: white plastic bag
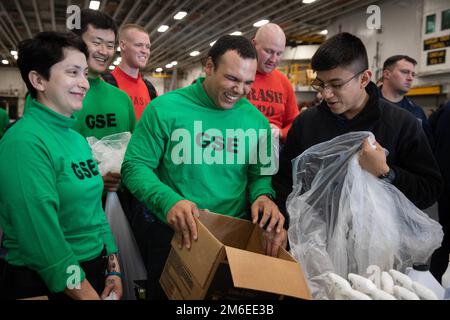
343,219
130,260
109,151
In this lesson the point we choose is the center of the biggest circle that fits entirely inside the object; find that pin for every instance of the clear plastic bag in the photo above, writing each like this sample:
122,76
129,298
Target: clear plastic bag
109,151
343,219
131,264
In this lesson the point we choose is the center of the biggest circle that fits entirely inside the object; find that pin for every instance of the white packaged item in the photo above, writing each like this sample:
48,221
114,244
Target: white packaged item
109,151
446,281
420,273
381,295
339,286
423,292
366,286
404,294
387,283
361,284
131,264
343,219
355,295
401,279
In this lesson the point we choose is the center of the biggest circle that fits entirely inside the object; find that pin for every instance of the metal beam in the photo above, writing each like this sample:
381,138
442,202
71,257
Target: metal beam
103,5
13,27
52,14
205,43
198,6
131,12
169,17
118,9
7,52
38,17
4,31
146,11
202,26
160,12
334,12
22,16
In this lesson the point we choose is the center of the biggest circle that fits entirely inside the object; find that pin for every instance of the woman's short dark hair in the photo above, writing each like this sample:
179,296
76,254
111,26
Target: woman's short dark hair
342,50
241,45
43,51
96,19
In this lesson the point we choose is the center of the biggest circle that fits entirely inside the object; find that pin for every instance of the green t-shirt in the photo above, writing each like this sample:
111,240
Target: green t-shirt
106,110
184,148
4,121
50,197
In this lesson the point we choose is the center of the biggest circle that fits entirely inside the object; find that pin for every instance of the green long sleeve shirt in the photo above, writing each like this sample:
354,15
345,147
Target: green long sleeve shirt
4,121
50,197
185,147
106,110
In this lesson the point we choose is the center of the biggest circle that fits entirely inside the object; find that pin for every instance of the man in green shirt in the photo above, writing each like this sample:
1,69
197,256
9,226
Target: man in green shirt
197,147
4,121
106,109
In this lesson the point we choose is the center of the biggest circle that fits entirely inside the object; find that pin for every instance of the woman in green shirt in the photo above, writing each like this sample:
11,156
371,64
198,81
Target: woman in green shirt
57,238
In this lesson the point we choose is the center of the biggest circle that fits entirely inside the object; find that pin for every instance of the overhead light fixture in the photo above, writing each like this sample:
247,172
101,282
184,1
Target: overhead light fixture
159,69
308,1
118,49
119,59
174,63
169,65
260,23
180,15
94,5
163,28
16,57
111,67
324,32
236,33
14,52
116,63
194,53
212,43
4,61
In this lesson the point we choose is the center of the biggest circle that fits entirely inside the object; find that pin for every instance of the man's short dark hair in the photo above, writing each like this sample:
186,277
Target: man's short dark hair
241,45
391,61
96,19
43,51
342,50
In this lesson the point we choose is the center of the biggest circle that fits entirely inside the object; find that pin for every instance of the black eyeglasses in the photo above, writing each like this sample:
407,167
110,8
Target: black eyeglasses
321,86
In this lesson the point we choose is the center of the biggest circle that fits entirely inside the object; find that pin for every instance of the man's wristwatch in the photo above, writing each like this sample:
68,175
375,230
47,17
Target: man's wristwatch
389,176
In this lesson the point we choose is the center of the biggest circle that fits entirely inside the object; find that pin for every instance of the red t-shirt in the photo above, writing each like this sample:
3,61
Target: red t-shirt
135,88
273,95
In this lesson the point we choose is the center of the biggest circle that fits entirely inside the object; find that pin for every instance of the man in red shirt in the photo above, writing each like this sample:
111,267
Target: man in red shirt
134,44
272,93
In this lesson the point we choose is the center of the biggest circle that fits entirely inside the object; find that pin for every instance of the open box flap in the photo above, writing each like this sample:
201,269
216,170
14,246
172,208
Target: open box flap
230,231
264,273
202,254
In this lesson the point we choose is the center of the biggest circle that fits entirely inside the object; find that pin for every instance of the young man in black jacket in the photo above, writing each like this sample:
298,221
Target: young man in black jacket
351,102
441,131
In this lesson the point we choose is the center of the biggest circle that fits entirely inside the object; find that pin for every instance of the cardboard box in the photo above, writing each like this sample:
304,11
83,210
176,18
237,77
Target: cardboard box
227,262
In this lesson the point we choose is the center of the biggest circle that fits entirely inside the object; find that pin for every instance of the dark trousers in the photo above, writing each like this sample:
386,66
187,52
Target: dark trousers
21,282
153,239
154,244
